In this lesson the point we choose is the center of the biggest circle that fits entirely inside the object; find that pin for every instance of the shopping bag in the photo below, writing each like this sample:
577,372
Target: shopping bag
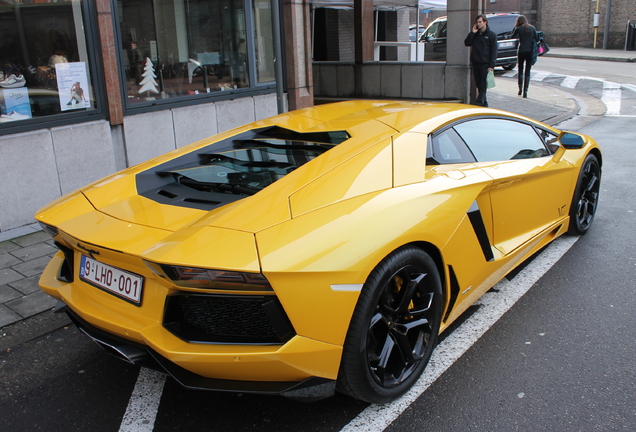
543,47
490,79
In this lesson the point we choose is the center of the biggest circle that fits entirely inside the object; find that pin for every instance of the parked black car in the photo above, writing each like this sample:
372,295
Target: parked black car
501,24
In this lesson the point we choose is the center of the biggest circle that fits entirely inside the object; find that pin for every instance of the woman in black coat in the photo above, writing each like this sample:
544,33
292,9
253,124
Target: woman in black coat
528,39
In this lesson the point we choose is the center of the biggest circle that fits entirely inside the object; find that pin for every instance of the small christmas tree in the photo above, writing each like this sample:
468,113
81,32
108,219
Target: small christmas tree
148,83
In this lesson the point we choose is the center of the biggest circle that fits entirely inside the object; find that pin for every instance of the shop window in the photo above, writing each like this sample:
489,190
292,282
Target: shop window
186,48
45,63
264,41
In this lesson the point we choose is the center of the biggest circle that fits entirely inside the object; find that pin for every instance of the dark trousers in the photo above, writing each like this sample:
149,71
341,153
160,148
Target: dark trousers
480,71
524,61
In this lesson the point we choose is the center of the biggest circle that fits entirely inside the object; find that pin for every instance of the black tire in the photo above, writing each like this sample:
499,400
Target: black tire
585,199
510,66
394,327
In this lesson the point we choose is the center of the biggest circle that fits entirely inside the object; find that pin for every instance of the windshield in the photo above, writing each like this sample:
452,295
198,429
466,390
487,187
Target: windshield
234,168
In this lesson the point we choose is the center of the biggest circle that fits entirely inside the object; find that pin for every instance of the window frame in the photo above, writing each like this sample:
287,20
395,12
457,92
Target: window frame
254,89
432,160
98,111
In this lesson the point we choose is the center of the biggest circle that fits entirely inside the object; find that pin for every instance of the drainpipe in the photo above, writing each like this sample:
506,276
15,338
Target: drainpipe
278,57
608,12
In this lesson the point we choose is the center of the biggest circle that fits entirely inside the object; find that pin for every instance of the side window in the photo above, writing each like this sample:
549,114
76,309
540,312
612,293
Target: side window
442,30
501,139
448,148
431,30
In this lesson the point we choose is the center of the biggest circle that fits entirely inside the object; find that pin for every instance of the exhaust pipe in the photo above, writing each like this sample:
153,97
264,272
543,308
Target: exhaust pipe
127,353
123,351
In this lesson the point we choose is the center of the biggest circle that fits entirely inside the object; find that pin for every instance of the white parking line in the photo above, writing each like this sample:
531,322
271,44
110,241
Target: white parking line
570,81
144,402
612,98
539,75
493,305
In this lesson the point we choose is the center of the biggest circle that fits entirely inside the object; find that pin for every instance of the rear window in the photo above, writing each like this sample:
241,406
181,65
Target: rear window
502,26
233,168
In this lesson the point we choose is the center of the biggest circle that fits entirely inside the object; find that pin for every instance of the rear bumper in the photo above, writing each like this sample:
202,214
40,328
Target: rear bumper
506,58
310,389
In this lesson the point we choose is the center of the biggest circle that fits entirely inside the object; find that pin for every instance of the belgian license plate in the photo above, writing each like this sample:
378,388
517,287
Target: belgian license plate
507,44
113,280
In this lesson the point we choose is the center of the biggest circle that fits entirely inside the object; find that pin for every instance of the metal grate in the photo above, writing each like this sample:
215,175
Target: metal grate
227,319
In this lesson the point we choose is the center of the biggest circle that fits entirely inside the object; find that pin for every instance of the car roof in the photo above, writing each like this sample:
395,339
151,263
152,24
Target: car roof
498,23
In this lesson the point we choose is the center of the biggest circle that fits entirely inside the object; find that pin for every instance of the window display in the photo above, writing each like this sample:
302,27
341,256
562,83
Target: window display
181,48
44,60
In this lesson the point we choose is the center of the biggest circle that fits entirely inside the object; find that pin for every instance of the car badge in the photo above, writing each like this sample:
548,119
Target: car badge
89,251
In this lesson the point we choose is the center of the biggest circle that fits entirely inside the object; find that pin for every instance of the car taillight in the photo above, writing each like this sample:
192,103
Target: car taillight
49,229
193,277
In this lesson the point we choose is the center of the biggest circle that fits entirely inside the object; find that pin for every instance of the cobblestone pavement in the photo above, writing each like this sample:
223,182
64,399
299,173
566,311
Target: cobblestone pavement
22,260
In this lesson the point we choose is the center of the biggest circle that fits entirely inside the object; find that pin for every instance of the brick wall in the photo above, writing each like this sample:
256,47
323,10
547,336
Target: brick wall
569,23
347,35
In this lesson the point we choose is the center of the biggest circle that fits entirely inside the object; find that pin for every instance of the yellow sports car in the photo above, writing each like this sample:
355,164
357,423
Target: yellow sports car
318,250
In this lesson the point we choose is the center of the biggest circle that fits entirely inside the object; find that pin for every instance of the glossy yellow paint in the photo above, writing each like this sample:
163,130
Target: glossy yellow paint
298,359
324,226
409,156
370,171
198,246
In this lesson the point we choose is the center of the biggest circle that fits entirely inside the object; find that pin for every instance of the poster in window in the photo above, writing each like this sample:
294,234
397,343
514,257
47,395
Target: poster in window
72,84
16,104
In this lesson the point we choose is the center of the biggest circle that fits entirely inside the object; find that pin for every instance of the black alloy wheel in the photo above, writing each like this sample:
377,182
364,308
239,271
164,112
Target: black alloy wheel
394,327
585,200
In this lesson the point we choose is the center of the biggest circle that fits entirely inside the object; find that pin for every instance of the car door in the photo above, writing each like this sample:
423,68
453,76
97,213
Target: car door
531,184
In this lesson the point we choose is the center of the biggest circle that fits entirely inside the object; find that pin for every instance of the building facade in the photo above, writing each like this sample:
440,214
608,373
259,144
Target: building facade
89,87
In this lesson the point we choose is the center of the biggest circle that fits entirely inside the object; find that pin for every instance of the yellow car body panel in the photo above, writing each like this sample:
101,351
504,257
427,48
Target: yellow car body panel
315,234
409,152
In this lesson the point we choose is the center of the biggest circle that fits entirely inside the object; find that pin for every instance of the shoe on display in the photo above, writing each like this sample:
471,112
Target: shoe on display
13,81
14,115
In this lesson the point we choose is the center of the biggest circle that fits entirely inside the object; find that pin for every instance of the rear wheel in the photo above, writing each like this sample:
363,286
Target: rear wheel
586,195
394,327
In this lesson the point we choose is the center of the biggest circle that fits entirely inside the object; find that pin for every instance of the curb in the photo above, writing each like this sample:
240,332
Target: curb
588,57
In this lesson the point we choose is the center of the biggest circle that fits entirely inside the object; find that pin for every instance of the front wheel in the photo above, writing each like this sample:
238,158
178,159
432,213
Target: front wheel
510,66
585,199
394,327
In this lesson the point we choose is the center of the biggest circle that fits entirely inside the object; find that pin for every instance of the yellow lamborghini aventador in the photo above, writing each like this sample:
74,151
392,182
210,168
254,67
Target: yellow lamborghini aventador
319,250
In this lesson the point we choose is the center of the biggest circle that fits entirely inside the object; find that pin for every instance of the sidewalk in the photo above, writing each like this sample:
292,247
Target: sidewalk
24,252
593,54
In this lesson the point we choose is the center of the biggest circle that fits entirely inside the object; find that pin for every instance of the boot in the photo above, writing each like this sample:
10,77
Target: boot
520,84
526,84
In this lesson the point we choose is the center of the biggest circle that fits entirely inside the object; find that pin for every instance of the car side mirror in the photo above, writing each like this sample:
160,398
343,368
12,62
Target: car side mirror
571,141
